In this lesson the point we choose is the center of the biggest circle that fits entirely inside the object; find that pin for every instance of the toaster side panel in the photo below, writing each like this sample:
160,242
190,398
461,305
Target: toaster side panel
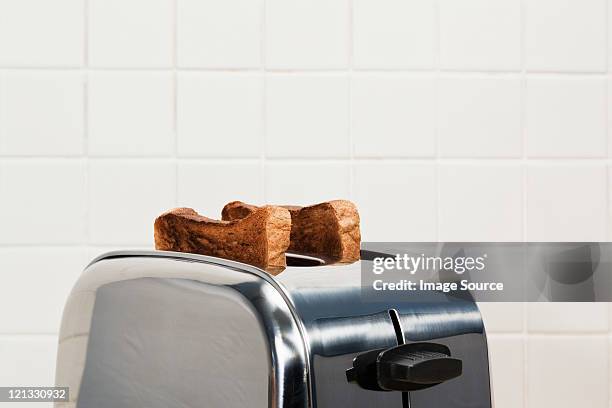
174,343
159,331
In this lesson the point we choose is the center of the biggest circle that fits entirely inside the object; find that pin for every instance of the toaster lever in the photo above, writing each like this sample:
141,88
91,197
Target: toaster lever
407,367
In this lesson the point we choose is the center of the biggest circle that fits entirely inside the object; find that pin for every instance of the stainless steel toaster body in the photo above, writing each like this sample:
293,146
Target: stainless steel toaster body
162,329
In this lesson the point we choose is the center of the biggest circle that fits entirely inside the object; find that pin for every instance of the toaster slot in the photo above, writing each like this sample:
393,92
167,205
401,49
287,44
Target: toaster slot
395,320
336,342
300,260
401,339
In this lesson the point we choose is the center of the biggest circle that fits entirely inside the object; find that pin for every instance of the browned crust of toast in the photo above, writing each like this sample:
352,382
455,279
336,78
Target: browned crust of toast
261,238
236,210
329,230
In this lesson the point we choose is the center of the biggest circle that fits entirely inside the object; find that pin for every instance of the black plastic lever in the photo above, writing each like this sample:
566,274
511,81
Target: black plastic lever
407,367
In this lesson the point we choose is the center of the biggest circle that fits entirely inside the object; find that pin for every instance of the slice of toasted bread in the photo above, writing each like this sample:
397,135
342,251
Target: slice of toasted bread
329,230
260,238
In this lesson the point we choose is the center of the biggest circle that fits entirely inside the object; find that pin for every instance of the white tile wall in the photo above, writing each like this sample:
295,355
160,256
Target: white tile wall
53,98
507,356
37,281
393,116
307,115
394,34
41,33
480,34
502,317
125,196
219,34
131,33
567,317
479,117
131,114
219,114
224,182
565,117
397,201
480,203
42,202
306,183
566,202
585,384
30,360
306,34
441,119
565,35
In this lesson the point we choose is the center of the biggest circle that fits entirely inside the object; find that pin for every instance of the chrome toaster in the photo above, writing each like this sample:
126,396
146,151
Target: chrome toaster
162,329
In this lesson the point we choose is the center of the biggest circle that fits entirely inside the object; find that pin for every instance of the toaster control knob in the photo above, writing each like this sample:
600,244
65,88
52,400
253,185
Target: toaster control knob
408,367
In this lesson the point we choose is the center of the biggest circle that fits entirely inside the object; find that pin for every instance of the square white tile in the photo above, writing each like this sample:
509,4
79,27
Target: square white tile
307,115
219,114
31,360
131,114
407,190
37,282
307,34
502,317
609,110
480,34
610,370
394,34
566,203
551,383
571,317
224,182
41,113
479,117
567,35
306,183
481,202
125,197
41,33
131,33
393,116
609,220
43,202
219,34
506,365
565,117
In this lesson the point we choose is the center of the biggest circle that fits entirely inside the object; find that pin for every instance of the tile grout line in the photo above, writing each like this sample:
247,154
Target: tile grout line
524,202
86,141
436,118
31,336
175,98
501,161
563,334
351,61
264,102
607,118
607,178
314,71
